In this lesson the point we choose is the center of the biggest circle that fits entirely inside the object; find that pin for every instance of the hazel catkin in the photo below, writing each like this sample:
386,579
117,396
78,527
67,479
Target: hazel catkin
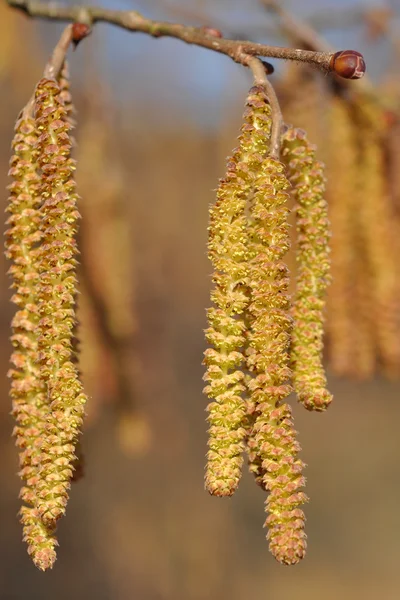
313,264
272,437
56,292
28,392
227,328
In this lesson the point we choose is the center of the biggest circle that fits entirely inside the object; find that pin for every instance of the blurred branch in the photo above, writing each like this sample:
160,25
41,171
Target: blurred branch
203,37
297,29
303,33
122,348
185,12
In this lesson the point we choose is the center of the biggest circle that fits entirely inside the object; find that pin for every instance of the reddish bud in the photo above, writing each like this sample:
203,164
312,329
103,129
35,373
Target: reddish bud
348,64
79,31
211,31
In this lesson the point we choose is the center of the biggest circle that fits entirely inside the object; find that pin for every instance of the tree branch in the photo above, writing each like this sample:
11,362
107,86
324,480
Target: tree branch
134,21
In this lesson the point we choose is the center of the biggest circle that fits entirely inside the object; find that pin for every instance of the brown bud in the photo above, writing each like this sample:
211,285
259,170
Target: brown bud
348,64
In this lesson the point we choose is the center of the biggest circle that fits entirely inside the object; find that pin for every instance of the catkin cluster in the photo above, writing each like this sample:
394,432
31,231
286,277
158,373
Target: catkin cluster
47,396
357,133
263,345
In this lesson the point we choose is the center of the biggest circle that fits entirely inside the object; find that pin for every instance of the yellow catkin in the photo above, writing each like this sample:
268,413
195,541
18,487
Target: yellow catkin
381,239
306,175
272,437
70,112
393,151
56,293
227,329
350,345
27,389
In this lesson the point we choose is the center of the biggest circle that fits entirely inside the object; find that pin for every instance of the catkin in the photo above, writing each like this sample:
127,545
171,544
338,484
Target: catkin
272,437
29,401
379,232
56,293
342,198
313,264
227,328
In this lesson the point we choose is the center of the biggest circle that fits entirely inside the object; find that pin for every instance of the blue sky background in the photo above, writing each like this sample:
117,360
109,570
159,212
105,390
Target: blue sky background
194,84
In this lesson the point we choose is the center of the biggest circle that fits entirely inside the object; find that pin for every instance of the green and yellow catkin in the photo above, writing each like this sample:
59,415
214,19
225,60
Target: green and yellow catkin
70,111
227,328
272,437
29,400
306,175
56,297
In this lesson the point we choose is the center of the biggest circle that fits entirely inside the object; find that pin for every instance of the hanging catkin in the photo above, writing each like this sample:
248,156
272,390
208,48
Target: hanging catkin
227,328
313,263
56,293
272,438
342,190
379,230
28,391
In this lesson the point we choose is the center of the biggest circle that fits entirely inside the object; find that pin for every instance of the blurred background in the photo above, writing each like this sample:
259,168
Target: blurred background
156,120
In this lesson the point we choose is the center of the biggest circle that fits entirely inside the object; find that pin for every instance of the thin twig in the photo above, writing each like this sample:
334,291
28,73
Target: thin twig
52,69
134,21
55,64
260,77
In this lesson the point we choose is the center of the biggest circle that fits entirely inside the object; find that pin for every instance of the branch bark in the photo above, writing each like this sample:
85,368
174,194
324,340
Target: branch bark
135,22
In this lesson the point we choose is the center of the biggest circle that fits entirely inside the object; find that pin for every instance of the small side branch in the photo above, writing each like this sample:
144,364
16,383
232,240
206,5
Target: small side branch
54,66
260,77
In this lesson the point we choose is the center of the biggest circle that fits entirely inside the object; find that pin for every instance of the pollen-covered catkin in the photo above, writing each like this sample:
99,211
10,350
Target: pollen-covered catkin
29,403
272,438
306,175
226,332
56,293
